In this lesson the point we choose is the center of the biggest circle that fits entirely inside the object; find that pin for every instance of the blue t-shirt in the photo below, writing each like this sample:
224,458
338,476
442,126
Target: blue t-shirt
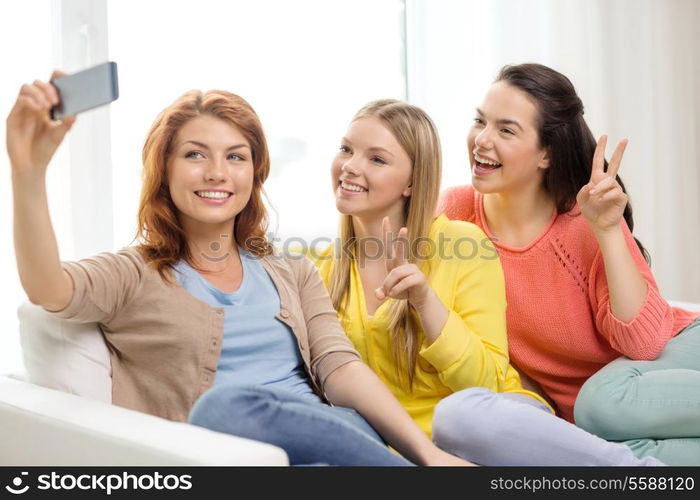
258,349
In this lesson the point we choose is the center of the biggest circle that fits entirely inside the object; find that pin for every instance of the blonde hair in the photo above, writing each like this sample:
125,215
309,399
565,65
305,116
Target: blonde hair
417,135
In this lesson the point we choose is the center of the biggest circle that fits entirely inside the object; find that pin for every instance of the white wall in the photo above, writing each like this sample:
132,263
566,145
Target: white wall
26,55
636,66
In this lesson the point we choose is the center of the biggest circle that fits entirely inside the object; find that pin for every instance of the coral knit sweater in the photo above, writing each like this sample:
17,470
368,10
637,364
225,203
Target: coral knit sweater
560,326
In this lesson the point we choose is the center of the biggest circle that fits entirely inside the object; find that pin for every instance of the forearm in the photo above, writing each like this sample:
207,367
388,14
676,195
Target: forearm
36,249
433,316
626,285
354,385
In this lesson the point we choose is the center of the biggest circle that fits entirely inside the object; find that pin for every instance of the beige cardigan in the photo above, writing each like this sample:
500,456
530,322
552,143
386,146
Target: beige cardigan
165,344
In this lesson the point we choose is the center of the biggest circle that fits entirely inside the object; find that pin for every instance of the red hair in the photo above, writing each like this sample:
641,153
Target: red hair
162,239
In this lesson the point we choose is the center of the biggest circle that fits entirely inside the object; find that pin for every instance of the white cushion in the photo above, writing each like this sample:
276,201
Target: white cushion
64,355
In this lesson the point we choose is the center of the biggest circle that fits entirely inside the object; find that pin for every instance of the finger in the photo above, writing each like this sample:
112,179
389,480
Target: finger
404,285
35,93
386,230
29,102
584,194
614,164
604,196
49,91
396,275
57,73
59,129
67,122
401,247
599,156
614,194
379,293
603,185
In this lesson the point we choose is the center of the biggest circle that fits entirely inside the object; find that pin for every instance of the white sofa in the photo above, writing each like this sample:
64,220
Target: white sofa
61,413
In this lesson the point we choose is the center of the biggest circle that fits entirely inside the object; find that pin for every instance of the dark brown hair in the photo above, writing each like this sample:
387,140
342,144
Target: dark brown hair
563,131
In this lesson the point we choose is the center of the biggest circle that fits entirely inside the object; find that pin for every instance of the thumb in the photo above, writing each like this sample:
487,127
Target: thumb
59,130
585,193
68,122
62,128
58,74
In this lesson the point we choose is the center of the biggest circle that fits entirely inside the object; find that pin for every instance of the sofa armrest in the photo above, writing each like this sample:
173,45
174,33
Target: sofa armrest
688,306
42,426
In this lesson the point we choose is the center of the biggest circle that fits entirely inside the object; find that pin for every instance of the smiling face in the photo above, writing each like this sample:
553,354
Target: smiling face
371,172
210,174
504,150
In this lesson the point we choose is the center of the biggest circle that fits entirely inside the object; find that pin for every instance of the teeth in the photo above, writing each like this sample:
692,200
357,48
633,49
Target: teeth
485,161
217,195
352,187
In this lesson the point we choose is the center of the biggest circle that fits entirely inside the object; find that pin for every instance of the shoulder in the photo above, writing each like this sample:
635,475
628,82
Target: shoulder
133,255
455,229
290,265
126,260
321,254
457,202
458,193
461,242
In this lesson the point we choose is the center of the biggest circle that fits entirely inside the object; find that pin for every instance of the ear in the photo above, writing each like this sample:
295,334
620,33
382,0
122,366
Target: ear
544,161
407,192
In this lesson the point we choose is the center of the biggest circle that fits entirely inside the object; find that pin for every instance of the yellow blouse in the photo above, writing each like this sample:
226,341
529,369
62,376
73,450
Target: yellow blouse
471,351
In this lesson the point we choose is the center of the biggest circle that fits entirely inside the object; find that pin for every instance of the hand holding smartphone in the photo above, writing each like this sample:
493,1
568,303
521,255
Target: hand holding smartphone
85,90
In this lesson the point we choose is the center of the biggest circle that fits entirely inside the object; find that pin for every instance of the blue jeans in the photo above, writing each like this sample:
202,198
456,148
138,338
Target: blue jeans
309,432
651,406
490,428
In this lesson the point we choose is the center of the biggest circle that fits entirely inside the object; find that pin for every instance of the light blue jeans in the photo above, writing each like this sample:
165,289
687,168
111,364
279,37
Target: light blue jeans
502,429
309,432
651,406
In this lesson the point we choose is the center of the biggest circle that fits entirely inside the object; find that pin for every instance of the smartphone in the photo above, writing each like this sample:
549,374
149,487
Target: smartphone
85,90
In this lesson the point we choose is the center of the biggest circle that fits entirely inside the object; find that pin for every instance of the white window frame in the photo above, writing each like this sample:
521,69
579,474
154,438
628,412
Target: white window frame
80,41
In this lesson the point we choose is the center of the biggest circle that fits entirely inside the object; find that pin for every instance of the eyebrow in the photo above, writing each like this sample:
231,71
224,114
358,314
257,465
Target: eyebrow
503,121
204,146
375,148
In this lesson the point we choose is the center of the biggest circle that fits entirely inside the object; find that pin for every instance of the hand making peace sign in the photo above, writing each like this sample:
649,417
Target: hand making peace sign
404,280
602,200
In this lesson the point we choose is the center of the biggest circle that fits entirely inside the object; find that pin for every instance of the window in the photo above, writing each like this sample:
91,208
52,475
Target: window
306,67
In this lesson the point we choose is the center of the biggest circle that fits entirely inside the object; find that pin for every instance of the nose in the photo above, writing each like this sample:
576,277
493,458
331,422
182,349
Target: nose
350,166
215,170
483,139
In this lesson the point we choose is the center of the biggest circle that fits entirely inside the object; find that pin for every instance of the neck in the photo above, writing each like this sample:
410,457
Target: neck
211,248
518,209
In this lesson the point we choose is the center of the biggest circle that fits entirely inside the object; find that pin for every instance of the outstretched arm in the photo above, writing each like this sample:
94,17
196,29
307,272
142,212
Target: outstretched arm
32,139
